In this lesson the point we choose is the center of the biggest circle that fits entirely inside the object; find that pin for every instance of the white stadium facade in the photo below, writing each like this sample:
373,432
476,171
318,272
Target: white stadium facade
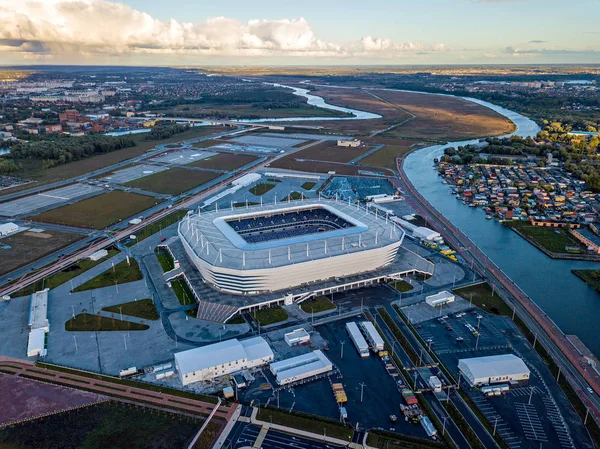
274,247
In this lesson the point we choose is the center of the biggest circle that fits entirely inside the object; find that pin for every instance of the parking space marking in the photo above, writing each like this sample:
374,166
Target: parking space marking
525,391
558,422
530,421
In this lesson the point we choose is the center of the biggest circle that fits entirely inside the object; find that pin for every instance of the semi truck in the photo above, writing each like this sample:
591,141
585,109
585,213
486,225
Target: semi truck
357,338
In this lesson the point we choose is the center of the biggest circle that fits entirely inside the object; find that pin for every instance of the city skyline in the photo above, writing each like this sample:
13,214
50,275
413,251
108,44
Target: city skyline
135,32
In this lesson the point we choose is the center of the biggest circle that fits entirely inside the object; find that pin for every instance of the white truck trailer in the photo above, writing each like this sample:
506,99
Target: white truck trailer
357,338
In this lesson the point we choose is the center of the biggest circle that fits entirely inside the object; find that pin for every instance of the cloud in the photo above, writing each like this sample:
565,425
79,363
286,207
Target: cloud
103,27
547,51
537,42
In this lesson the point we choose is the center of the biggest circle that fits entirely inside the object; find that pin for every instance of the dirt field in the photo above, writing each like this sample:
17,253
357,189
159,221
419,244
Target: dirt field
100,211
290,163
25,247
329,151
26,399
78,168
174,181
224,161
437,117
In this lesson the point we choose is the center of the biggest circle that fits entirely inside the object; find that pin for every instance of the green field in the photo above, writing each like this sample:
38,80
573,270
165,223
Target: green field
293,196
159,225
551,239
181,289
270,316
308,185
402,286
86,322
261,189
100,211
142,308
79,267
483,297
306,422
165,260
112,424
319,304
224,161
388,440
173,181
590,277
120,274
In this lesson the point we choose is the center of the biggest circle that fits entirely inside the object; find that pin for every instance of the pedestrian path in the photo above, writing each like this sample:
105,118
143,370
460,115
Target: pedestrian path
261,437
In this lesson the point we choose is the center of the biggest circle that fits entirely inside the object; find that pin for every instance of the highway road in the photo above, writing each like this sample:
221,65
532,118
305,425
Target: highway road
545,330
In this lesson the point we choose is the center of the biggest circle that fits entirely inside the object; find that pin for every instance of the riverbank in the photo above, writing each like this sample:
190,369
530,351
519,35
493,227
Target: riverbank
590,277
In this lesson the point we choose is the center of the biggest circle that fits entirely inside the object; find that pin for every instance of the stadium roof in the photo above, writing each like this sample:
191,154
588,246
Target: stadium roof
216,242
495,365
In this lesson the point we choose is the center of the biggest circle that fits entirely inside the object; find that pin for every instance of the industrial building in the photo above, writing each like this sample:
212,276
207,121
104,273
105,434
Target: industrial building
357,338
372,336
208,362
8,228
301,367
38,323
505,368
96,256
354,143
297,337
280,246
440,299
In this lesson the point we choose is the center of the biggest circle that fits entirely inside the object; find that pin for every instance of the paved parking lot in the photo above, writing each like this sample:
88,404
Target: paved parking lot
133,173
182,157
45,200
244,435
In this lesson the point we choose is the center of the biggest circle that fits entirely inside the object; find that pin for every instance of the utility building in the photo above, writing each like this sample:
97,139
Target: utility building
301,367
297,337
8,228
208,362
439,299
505,368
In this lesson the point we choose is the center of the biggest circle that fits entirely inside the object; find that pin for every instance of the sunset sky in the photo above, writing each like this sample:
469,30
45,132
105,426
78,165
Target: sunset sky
186,32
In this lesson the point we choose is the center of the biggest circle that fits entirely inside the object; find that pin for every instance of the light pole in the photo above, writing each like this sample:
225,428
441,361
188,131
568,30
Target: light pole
75,341
495,424
477,342
73,308
121,312
125,341
362,385
342,352
444,426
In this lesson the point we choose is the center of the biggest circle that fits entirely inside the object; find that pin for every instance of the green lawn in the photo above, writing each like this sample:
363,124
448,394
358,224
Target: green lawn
388,440
120,274
142,308
270,316
308,185
79,267
482,297
552,239
306,422
183,292
261,189
165,260
293,196
402,286
86,322
173,181
319,304
590,277
238,319
159,225
112,424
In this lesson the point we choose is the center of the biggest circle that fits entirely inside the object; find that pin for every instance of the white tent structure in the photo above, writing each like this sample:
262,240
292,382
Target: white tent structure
504,368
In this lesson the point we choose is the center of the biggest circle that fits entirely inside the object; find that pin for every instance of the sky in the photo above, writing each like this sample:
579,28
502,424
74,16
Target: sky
306,32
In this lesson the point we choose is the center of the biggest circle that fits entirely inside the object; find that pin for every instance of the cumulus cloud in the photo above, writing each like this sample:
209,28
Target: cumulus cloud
104,27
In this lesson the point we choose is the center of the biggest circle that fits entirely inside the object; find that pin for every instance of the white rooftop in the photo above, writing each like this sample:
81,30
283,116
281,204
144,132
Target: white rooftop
494,365
38,311
220,353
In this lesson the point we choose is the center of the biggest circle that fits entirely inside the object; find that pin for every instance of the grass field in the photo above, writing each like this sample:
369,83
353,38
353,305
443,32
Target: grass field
173,181
590,277
182,292
261,189
224,161
142,308
120,274
159,225
483,297
20,249
270,316
306,422
329,151
308,185
293,196
290,162
79,267
389,440
248,110
165,260
402,286
386,156
552,239
100,211
86,322
319,304
110,424
33,168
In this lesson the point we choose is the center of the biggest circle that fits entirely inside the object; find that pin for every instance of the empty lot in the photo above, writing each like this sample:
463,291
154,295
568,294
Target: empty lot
224,161
100,211
329,151
25,247
174,181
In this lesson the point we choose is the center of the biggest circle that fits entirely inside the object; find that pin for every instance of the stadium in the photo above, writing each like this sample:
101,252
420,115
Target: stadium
275,247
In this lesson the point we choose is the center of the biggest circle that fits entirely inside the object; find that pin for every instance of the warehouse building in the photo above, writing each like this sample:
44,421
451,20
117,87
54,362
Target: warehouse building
8,228
504,368
208,362
439,299
38,323
301,367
